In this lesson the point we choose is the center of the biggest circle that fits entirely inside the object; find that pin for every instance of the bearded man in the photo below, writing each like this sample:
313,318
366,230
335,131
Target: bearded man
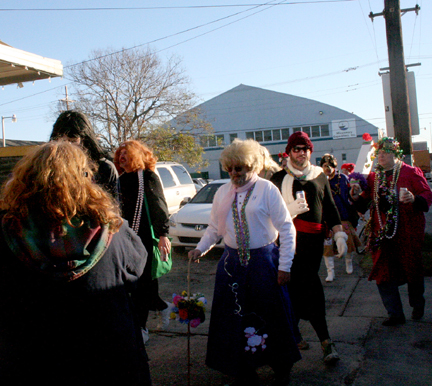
311,214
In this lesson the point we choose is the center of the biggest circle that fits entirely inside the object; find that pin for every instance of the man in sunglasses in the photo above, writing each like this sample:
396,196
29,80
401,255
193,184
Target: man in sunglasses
312,210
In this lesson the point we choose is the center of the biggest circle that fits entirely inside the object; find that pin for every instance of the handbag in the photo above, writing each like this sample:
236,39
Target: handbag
159,267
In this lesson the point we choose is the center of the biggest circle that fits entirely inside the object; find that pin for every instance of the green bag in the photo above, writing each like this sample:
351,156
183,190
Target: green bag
159,267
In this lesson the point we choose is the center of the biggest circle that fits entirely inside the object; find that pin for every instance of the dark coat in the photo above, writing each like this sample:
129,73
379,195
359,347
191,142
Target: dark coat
79,332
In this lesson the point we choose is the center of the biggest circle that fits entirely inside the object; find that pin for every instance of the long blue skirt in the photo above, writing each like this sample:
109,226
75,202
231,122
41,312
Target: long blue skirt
249,297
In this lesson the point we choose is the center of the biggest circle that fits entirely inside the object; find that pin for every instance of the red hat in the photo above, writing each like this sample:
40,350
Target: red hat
299,138
349,167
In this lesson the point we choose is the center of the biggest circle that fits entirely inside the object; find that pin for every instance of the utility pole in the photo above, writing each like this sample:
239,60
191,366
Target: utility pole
398,80
66,100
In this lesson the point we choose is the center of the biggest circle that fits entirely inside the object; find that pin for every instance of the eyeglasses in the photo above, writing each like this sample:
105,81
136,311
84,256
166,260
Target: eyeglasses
237,169
298,149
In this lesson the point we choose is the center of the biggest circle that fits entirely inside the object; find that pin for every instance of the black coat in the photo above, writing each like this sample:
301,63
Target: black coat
80,332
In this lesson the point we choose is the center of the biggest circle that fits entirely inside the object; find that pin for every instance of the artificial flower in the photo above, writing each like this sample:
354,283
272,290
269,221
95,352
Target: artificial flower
367,137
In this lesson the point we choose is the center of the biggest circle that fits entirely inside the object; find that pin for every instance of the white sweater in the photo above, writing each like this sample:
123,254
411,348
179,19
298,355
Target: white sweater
267,215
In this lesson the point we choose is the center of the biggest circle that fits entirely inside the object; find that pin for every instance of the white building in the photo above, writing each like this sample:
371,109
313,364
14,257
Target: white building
271,117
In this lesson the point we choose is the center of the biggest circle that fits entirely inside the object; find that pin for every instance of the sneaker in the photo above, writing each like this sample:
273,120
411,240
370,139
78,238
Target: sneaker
164,318
303,345
394,321
330,355
417,313
145,335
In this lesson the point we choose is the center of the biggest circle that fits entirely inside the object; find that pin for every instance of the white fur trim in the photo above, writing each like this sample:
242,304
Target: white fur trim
339,235
311,172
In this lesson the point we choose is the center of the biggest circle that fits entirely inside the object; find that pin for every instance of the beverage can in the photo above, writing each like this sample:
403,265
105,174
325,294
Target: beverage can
402,192
301,194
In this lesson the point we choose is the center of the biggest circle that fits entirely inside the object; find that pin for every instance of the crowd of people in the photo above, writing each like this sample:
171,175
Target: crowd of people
76,234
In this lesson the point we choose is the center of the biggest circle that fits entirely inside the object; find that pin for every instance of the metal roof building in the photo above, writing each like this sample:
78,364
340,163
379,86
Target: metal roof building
271,117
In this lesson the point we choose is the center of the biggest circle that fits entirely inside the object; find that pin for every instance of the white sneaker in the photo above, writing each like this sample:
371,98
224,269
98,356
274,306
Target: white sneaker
145,335
164,318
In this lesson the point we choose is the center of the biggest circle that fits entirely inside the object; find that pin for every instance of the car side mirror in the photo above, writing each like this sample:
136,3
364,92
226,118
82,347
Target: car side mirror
184,201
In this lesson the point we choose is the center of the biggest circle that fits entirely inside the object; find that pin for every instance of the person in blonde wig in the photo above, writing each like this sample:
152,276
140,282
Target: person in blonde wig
251,298
270,166
67,267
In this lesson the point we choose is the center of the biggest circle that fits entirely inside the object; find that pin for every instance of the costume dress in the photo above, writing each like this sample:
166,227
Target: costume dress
66,317
305,287
399,259
247,295
339,186
128,183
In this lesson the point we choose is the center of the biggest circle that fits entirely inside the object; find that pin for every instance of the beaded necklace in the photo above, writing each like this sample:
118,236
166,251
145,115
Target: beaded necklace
389,229
242,229
336,190
140,199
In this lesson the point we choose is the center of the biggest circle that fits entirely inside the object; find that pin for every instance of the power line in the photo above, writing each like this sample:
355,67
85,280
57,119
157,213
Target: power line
164,8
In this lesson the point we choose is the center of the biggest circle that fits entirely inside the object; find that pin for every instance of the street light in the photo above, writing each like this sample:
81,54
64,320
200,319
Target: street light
14,119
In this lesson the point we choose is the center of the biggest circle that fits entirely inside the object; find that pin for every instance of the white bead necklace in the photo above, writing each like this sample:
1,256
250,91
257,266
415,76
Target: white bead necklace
140,199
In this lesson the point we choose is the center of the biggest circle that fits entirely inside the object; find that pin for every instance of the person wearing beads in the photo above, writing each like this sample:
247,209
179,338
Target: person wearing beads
311,215
339,186
397,196
251,320
136,164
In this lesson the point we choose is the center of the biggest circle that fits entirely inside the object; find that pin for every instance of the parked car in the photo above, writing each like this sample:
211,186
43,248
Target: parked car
176,182
189,223
199,181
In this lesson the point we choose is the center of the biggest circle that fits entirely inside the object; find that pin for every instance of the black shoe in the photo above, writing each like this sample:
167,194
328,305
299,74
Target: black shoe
394,321
417,313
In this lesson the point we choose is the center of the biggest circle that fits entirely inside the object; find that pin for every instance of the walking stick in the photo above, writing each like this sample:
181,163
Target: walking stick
188,325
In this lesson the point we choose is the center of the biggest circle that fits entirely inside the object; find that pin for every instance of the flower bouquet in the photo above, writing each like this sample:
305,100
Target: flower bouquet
189,310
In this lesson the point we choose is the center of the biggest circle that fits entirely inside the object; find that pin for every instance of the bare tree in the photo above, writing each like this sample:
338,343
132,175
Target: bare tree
131,94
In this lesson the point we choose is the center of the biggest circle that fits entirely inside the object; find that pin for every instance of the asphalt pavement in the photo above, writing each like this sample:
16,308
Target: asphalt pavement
371,354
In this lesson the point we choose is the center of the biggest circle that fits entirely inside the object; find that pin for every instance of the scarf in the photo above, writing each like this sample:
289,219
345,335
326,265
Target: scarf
307,174
227,202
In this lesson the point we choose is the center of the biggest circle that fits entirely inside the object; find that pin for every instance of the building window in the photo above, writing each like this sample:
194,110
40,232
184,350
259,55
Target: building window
315,131
232,137
325,132
344,158
258,136
285,133
212,140
267,136
277,135
250,135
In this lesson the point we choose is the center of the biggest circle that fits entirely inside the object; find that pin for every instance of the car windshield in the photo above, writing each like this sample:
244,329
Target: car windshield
206,194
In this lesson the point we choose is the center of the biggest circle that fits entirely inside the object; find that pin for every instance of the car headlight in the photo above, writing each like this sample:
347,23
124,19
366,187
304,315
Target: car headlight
172,223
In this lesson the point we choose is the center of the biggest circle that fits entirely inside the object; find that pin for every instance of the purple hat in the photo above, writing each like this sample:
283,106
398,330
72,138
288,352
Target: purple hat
299,138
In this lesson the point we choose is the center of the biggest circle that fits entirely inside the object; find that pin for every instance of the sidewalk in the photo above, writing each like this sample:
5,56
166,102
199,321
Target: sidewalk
371,354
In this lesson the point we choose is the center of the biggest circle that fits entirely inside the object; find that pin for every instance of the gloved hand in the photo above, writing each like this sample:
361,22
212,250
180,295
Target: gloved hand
298,206
340,238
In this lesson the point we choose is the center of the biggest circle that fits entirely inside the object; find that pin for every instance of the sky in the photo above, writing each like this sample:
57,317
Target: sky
326,50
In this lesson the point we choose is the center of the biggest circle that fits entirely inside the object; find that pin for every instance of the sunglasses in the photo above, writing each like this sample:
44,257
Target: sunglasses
298,149
237,169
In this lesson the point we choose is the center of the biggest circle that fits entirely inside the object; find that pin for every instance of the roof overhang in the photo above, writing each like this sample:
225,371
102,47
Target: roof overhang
17,66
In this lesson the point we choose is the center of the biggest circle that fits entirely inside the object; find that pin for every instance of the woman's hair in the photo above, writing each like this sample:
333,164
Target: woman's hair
239,152
74,124
330,159
140,156
270,166
56,179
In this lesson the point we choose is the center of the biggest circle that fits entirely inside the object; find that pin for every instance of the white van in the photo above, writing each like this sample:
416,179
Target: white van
176,182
